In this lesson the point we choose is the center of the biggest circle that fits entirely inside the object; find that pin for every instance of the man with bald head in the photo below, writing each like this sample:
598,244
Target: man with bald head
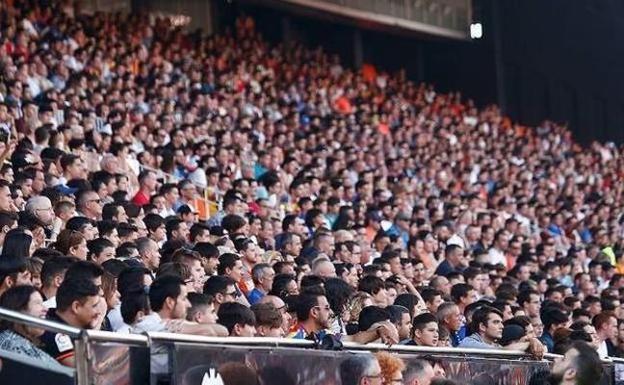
323,268
283,309
41,208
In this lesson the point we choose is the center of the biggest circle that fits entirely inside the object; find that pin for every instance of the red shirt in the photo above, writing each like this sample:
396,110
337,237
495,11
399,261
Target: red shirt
141,199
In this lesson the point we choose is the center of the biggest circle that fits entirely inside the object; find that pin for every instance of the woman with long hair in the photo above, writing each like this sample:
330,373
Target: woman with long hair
17,243
18,338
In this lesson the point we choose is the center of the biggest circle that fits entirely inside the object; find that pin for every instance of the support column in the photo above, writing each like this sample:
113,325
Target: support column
358,48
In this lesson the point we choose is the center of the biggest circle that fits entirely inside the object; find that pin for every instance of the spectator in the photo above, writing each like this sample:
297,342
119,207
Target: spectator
238,319
425,330
269,320
16,337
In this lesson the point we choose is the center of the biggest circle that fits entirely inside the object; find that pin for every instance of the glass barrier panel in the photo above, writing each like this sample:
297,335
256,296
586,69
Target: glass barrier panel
117,363
17,369
207,364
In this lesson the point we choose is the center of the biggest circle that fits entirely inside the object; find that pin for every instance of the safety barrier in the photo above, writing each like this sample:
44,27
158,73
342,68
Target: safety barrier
165,358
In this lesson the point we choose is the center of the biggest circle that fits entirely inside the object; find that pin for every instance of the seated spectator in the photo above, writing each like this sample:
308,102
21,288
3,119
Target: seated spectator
202,310
269,320
425,330
487,324
19,338
239,320
169,303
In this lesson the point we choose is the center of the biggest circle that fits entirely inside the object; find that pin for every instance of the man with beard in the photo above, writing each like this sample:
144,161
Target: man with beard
579,366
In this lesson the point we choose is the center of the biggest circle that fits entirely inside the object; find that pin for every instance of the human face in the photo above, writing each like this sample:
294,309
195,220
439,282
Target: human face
35,308
428,336
106,254
236,272
405,326
160,234
611,328
267,279
81,251
151,256
246,331
88,313
493,329
6,202
391,293
434,304
454,319
322,312
207,316
45,213
198,275
183,231
419,272
381,298
532,306
562,365
230,294
181,304
90,232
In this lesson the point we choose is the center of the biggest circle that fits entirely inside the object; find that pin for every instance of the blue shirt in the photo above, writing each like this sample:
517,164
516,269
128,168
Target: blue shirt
254,296
547,340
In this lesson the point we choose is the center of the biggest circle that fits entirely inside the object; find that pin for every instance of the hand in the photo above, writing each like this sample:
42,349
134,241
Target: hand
387,332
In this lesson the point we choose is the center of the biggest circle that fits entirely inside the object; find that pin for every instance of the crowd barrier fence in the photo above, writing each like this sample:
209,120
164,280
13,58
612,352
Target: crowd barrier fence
104,358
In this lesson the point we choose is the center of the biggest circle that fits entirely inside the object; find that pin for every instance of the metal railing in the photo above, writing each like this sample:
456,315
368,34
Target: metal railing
86,341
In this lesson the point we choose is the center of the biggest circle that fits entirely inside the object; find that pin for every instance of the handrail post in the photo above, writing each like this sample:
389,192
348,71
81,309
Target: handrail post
82,359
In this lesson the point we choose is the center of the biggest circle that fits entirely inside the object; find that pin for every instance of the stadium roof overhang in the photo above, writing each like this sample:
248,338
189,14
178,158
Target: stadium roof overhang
446,19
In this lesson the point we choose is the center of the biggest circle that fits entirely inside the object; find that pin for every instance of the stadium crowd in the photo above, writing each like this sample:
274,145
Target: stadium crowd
154,180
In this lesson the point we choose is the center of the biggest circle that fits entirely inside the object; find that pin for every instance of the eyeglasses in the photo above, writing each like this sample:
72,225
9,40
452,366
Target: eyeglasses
233,294
95,200
324,307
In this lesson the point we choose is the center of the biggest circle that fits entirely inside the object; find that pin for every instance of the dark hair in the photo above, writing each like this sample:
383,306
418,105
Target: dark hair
197,229
371,284
130,281
153,221
75,289
11,266
370,315
408,301
84,269
15,298
97,246
167,286
53,267
16,243
525,296
232,313
131,305
396,313
460,290
338,294
227,261
217,284
420,321
232,223
279,285
305,303
198,302
481,316
206,250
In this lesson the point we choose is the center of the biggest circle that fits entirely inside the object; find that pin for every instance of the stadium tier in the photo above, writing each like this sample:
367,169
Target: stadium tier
191,209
